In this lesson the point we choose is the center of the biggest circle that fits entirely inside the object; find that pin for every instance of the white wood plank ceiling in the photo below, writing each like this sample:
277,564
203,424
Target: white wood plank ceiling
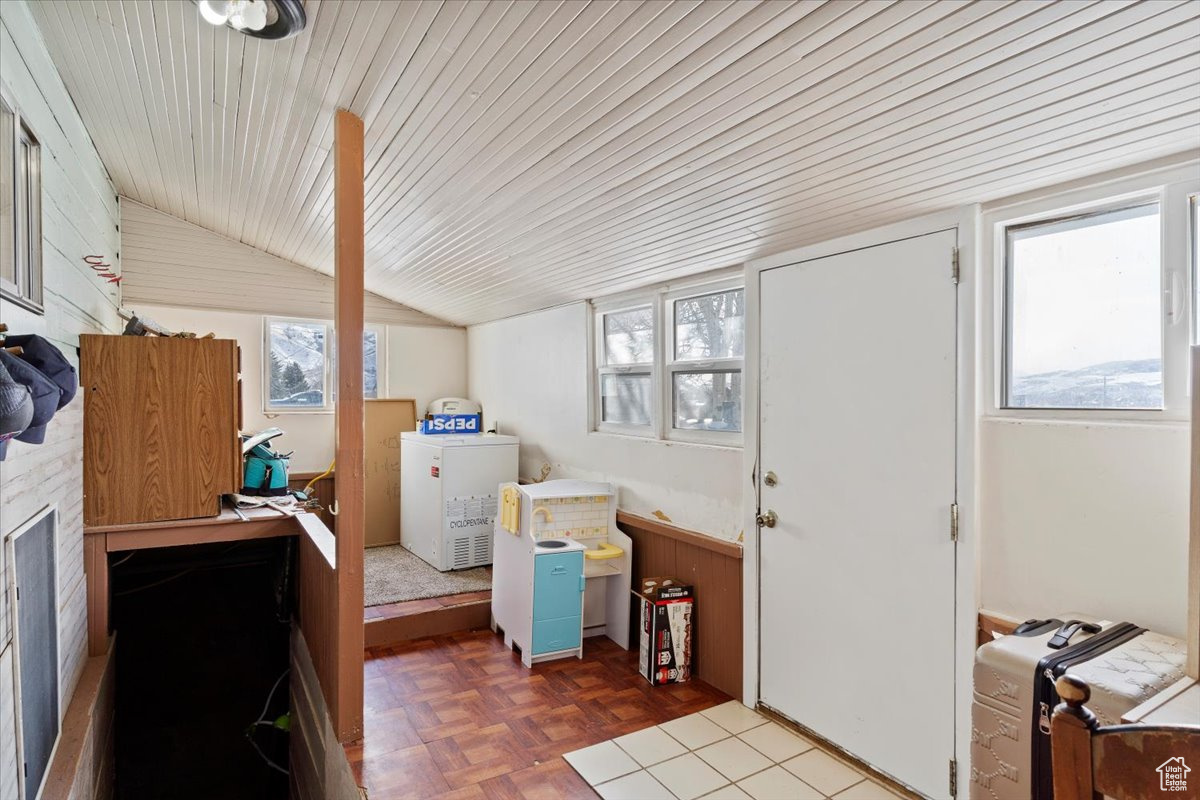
524,154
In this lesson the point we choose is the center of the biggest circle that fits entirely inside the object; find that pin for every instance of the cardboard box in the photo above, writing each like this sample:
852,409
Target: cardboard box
665,625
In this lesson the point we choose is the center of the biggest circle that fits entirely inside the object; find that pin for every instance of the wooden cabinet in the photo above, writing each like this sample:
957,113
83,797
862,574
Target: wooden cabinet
160,437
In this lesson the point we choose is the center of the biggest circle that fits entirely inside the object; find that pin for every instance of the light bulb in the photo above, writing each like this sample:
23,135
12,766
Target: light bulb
215,12
248,14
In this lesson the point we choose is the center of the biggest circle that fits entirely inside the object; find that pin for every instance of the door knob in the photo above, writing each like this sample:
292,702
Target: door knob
766,519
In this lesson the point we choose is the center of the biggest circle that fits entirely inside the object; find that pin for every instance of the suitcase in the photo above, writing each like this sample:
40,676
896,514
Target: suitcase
1014,693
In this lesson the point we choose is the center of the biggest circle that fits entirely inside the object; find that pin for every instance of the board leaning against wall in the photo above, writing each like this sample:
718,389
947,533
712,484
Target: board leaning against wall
385,421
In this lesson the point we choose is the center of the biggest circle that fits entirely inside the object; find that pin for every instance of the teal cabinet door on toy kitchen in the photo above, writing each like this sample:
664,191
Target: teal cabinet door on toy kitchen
558,585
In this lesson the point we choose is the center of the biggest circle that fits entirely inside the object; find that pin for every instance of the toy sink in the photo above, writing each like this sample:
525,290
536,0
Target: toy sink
561,568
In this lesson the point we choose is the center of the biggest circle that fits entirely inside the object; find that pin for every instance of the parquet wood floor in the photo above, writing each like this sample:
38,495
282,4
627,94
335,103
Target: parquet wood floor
458,717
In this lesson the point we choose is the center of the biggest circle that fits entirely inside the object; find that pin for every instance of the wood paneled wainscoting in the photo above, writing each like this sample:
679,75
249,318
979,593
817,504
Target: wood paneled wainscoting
714,567
83,767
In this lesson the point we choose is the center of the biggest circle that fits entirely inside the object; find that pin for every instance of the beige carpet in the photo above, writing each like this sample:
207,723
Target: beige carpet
391,574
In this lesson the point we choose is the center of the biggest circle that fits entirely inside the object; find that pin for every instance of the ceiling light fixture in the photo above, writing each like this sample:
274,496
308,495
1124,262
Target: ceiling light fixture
263,19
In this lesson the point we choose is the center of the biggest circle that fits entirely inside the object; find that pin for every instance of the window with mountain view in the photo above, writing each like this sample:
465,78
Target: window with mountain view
370,364
1084,311
300,365
297,359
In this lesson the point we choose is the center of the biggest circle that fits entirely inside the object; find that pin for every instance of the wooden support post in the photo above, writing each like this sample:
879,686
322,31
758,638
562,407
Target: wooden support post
95,564
347,708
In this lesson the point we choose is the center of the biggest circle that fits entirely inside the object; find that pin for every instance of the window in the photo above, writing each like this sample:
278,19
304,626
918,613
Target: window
627,367
1084,324
20,210
1194,235
296,364
669,364
299,364
706,368
370,364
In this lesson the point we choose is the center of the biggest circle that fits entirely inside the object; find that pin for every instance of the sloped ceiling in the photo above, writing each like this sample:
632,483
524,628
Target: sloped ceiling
168,262
523,154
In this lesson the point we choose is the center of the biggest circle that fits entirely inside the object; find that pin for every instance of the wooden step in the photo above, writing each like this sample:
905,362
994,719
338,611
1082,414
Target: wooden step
436,616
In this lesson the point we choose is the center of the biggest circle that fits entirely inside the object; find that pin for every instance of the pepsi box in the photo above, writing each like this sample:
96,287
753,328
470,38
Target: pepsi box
665,628
451,423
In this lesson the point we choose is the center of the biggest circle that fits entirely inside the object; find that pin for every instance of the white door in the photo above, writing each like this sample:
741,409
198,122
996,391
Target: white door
857,423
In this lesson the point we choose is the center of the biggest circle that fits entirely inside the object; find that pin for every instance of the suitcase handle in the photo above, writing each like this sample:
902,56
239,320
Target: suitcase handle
1069,629
1036,627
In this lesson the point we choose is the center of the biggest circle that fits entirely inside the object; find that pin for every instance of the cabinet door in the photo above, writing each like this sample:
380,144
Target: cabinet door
553,635
160,427
557,585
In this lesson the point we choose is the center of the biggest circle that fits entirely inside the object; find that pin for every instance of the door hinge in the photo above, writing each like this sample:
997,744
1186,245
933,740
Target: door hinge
954,522
954,269
953,778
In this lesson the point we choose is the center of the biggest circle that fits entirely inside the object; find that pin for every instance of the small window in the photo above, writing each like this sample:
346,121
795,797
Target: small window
300,363
627,367
669,364
1084,311
371,364
297,358
706,371
20,210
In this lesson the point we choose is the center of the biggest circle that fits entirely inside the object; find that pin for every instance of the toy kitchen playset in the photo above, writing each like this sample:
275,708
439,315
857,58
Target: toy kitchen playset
561,568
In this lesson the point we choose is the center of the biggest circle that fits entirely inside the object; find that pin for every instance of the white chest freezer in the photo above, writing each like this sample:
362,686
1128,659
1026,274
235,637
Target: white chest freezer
449,488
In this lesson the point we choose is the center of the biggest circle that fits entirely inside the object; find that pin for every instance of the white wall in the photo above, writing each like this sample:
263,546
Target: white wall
79,217
1085,517
170,262
426,363
423,363
530,372
1087,511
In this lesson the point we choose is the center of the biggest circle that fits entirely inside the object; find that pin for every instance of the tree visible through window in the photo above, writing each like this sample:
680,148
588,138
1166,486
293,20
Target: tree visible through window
297,364
706,383
670,365
300,364
626,392
370,364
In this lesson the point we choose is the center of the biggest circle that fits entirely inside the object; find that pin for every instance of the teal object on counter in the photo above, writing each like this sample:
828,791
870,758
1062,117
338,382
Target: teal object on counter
265,472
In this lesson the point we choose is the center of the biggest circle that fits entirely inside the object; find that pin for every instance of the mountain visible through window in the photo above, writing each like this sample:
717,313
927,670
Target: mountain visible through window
1085,312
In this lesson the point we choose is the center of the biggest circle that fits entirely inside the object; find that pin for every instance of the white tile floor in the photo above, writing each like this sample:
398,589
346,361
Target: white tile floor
728,752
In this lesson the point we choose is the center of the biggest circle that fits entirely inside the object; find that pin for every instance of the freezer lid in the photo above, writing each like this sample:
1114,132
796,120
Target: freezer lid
459,439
